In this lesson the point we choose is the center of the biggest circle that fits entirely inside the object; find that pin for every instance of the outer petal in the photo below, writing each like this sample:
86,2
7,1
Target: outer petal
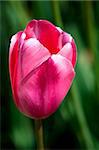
67,46
44,90
45,32
67,52
74,58
13,63
25,56
32,54
13,53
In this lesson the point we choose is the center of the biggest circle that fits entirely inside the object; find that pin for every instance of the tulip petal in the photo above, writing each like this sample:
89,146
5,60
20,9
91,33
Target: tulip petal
45,32
13,63
33,54
46,87
13,53
74,58
67,51
69,48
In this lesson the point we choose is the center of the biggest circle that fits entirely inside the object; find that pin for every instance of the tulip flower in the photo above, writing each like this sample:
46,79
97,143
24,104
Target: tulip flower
41,65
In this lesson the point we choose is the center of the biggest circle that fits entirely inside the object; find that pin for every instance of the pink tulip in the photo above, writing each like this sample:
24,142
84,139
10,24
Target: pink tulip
41,64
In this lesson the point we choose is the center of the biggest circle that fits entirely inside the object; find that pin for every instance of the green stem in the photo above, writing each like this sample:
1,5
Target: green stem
39,134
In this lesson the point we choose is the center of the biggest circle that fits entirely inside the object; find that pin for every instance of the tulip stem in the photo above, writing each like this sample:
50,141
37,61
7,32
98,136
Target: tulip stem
39,134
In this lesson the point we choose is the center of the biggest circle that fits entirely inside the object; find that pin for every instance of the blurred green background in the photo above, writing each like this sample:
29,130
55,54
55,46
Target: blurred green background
75,125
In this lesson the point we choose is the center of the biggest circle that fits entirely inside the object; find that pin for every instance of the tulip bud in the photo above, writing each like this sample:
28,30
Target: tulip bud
41,66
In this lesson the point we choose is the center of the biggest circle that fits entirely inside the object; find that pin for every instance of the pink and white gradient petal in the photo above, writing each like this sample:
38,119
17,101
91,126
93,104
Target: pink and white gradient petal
42,93
33,54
